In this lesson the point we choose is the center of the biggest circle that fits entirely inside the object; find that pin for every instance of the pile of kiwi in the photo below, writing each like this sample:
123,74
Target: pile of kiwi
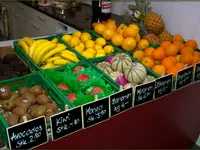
11,66
26,103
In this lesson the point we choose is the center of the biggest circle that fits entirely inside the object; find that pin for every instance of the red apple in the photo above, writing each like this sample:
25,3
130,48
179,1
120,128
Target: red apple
96,90
62,86
83,77
71,97
77,69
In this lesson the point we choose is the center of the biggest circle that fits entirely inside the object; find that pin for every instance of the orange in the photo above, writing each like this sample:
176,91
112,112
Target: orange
186,59
159,69
195,60
108,34
179,65
137,38
177,38
149,51
157,62
171,50
99,28
186,50
158,54
177,58
130,32
121,28
111,21
191,43
179,45
117,39
143,43
111,26
135,27
165,44
172,58
196,53
172,70
138,54
148,62
128,44
167,62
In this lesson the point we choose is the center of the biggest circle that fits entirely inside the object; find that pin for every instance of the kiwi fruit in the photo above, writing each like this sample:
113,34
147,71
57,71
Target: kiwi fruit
12,119
32,108
43,99
37,90
39,111
8,58
22,90
15,63
5,67
44,93
27,116
30,97
5,92
55,105
48,115
50,107
8,105
19,111
14,96
2,110
21,69
23,103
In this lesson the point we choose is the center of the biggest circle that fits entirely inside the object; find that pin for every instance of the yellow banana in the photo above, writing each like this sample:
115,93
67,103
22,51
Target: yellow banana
68,52
55,40
59,44
53,52
34,46
39,48
60,61
52,59
48,66
24,46
69,57
46,49
28,41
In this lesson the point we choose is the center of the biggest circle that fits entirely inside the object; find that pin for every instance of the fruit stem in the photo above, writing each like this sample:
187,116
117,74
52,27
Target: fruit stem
66,107
121,88
95,97
25,119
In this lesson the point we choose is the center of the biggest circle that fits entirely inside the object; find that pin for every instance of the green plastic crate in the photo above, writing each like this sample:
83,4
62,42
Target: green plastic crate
84,64
36,78
19,51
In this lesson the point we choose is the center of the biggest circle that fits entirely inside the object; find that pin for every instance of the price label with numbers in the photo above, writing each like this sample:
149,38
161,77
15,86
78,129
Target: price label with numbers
28,135
144,93
184,77
197,72
66,123
121,101
95,112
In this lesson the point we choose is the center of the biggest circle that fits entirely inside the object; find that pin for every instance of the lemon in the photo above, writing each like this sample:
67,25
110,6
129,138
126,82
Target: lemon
74,41
85,37
99,55
91,50
77,34
108,49
96,46
87,54
78,49
101,51
101,41
82,45
67,38
89,44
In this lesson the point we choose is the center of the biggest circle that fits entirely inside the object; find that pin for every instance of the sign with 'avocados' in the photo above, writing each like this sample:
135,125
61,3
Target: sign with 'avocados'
66,123
144,93
197,72
95,112
163,86
28,135
121,101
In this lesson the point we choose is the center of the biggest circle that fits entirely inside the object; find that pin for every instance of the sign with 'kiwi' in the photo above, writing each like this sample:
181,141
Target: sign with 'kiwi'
28,135
197,72
144,93
66,123
184,77
163,86
121,101
95,112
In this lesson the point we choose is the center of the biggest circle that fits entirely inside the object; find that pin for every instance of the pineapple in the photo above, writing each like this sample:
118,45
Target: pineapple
154,23
152,38
165,36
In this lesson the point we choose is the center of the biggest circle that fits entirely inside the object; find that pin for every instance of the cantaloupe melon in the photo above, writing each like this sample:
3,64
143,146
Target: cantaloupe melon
149,79
105,67
118,77
129,85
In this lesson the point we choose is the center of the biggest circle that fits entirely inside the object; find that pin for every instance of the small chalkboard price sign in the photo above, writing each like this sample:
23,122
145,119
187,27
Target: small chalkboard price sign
144,93
28,135
197,72
66,123
95,112
121,101
163,86
184,77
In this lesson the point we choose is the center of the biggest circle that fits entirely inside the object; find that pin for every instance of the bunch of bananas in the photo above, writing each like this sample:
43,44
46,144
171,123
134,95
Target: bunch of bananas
83,43
47,54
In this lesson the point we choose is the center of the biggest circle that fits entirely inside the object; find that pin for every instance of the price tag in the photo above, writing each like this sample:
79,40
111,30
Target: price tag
184,77
28,135
163,86
66,123
197,72
95,112
121,101
144,93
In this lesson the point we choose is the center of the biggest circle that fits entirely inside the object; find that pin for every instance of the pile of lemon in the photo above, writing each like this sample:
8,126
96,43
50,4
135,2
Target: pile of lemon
83,43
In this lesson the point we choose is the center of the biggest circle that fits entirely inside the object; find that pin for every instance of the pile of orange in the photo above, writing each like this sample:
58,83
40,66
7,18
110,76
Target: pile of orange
125,36
170,57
